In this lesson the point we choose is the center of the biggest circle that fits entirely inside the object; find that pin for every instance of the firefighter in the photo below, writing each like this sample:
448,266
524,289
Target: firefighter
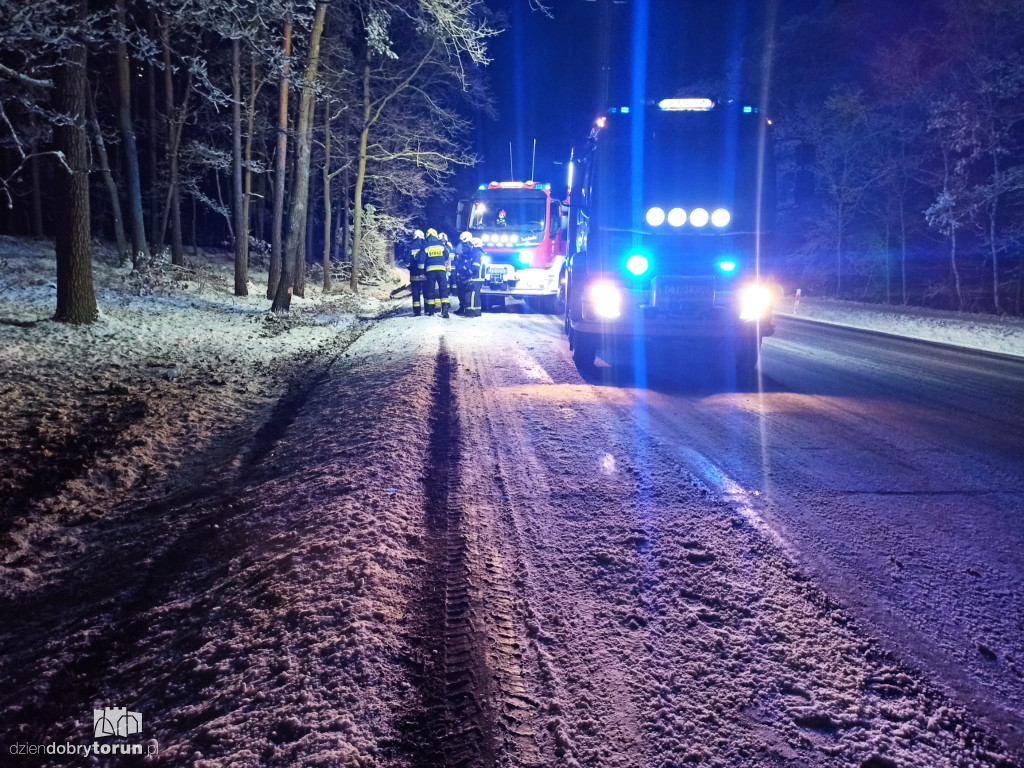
472,279
435,258
417,276
449,259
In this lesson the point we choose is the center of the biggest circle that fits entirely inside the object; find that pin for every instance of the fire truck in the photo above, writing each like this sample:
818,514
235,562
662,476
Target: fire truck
671,205
523,233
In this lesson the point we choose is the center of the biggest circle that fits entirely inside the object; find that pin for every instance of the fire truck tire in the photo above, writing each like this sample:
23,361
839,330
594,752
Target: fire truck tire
584,351
550,305
747,356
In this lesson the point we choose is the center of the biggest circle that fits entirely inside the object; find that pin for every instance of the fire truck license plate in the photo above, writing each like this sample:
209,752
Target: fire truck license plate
677,294
496,275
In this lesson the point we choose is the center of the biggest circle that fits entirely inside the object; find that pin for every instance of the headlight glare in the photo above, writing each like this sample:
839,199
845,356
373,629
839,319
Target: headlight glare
607,300
755,301
699,217
720,217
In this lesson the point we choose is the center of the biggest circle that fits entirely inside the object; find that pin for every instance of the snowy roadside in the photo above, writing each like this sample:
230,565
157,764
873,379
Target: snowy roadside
271,617
1003,335
93,416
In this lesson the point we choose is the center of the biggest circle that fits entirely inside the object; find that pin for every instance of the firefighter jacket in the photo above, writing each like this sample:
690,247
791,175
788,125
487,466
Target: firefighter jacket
416,260
470,264
434,255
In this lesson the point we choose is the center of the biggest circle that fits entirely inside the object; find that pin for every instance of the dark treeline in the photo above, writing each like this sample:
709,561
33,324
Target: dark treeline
900,142
296,130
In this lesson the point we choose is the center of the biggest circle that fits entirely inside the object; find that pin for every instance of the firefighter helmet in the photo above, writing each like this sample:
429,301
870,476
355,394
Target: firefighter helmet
466,237
418,234
478,243
431,232
443,236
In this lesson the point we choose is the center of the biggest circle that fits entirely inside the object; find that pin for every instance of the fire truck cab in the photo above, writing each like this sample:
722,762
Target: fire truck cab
524,233
670,208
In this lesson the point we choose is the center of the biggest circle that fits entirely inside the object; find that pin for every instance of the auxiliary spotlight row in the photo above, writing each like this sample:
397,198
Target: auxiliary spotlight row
698,217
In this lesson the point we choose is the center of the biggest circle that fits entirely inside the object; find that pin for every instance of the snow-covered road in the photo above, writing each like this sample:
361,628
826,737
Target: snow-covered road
450,549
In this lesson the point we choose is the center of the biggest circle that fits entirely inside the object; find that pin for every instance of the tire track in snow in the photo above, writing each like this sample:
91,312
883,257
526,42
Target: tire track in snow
457,723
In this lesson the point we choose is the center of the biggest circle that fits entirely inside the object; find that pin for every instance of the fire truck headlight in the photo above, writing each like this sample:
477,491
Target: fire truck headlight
677,217
486,237
755,301
525,258
607,300
720,217
515,238
655,216
699,217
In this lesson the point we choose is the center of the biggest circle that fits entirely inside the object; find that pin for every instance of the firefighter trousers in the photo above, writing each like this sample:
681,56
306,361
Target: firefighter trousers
469,297
417,285
437,291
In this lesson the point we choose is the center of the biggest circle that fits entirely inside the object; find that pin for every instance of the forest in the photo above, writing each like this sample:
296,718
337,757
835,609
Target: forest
900,146
242,124
309,134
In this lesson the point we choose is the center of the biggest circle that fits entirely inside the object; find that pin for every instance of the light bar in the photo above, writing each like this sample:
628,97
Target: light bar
686,105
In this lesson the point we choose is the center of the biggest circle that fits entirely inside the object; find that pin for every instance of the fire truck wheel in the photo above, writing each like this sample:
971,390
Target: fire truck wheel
584,351
551,305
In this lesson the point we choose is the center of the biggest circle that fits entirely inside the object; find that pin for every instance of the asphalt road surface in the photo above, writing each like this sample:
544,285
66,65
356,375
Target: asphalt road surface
446,547
891,471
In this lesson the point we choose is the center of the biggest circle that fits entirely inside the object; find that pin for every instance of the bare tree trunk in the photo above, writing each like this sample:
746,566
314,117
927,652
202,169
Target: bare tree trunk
327,196
241,224
250,119
131,153
903,247
839,255
1020,283
223,208
173,137
195,239
280,165
888,254
124,249
955,268
346,218
305,248
151,124
76,299
993,211
303,139
37,188
357,213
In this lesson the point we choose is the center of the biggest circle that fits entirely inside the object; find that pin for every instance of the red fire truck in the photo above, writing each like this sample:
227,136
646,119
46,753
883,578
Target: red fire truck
523,233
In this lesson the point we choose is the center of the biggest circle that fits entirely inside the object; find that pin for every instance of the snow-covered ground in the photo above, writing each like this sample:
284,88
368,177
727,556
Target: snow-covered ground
95,415
442,546
989,333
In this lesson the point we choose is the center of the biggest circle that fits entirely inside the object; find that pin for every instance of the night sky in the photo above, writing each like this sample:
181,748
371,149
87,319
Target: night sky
547,78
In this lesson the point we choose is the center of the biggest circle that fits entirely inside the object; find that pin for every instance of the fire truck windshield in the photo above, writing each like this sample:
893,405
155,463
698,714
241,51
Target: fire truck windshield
681,161
523,212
